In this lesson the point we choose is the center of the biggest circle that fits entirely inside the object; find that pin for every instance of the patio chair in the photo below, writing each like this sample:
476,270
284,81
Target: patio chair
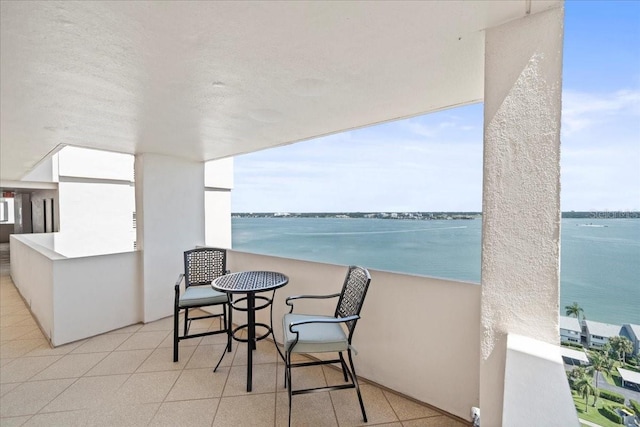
201,267
305,333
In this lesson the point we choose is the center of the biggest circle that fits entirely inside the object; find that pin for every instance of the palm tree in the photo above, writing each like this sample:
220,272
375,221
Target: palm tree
574,310
622,346
584,387
599,363
626,347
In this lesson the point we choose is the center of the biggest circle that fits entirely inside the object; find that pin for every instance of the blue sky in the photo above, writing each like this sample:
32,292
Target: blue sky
434,162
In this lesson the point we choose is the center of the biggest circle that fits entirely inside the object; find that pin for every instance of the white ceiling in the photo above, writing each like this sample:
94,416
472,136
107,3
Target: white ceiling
204,80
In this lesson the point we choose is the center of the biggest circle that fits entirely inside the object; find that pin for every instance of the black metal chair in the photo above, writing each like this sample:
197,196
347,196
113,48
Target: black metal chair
305,333
201,267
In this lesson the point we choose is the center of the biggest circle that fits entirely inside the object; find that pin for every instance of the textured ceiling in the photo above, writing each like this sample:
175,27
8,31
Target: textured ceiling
204,80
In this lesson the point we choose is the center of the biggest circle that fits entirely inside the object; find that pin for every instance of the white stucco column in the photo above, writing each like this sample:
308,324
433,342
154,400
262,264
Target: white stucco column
170,220
521,194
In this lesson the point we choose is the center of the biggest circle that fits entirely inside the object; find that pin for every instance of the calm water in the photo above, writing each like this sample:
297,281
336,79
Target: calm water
600,263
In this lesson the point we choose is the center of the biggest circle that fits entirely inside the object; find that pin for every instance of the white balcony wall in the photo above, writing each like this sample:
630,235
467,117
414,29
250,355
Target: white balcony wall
75,297
536,390
418,335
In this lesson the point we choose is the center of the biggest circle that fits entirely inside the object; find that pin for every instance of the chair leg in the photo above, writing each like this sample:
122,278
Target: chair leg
186,320
288,382
355,382
176,313
344,367
219,361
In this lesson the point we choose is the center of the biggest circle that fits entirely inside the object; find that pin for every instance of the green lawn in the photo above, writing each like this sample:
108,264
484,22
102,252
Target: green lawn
592,414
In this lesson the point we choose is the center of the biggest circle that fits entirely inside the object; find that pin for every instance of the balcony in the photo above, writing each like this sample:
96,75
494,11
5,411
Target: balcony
127,377
412,348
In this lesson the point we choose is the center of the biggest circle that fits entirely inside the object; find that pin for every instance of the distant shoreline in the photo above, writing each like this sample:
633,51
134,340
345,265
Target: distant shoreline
594,215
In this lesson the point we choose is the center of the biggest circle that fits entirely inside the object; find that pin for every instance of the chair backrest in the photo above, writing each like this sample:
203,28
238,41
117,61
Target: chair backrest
352,296
203,265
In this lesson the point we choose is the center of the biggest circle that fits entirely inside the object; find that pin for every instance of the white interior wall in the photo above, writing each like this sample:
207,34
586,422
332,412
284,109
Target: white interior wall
521,194
218,181
218,218
97,215
170,220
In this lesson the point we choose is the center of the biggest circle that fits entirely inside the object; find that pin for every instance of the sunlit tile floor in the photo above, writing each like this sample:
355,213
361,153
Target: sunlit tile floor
127,378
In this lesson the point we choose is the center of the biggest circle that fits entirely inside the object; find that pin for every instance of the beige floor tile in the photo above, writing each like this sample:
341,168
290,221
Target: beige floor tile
24,368
15,332
144,340
308,410
165,324
264,380
120,362
36,333
18,348
162,360
71,366
29,398
28,321
126,415
101,343
191,342
206,356
127,329
6,388
440,421
66,419
13,317
147,387
198,384
255,410
14,421
407,409
348,410
305,377
192,413
46,349
218,339
4,362
87,392
266,353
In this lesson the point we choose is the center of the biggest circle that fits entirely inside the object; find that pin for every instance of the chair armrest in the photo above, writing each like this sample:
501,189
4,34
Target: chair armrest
295,297
323,320
180,277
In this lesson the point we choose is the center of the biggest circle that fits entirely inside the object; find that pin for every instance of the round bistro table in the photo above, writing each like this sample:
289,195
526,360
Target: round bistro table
250,283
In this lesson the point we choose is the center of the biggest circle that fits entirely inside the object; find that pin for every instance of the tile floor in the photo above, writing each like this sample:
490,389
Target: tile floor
127,378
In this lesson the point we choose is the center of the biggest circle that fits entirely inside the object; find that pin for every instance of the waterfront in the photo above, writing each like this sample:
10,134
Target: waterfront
600,257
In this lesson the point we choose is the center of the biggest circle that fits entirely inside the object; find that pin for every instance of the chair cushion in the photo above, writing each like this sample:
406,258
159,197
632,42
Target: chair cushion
198,296
314,337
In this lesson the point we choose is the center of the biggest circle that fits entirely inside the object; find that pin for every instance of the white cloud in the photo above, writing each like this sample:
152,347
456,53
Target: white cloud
582,111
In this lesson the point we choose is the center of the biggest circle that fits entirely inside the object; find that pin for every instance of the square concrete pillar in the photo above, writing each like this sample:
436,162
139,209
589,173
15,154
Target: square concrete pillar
521,193
170,220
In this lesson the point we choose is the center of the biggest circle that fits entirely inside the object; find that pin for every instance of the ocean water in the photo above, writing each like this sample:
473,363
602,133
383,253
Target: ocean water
600,258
